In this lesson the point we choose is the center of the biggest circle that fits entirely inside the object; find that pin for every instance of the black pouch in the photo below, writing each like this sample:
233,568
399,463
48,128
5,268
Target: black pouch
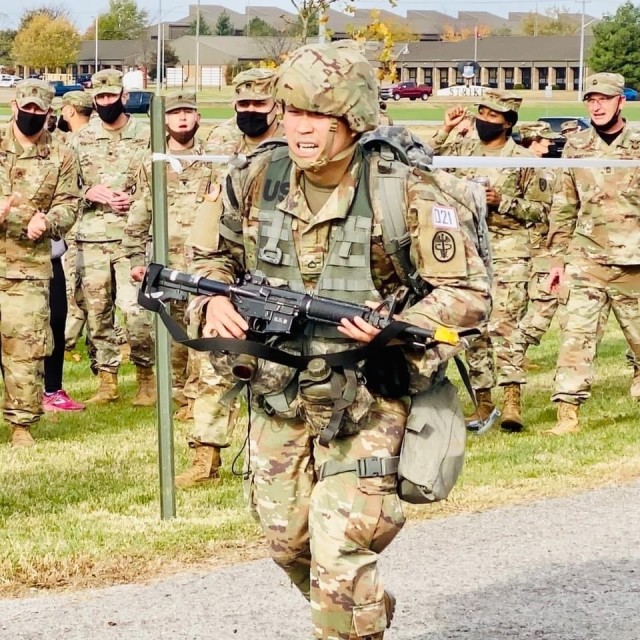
387,373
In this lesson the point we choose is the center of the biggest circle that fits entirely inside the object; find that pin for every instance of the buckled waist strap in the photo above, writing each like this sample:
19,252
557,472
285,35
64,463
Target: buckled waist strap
363,467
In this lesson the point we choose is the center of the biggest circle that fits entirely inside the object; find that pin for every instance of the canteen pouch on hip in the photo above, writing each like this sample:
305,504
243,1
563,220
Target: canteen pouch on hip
432,451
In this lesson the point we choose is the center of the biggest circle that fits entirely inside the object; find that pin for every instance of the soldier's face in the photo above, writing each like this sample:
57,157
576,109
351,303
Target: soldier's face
489,115
261,106
104,99
308,133
182,119
601,108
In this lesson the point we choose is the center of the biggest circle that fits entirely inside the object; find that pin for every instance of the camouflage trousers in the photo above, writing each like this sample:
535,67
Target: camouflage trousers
77,313
542,308
590,292
26,341
509,293
327,534
106,283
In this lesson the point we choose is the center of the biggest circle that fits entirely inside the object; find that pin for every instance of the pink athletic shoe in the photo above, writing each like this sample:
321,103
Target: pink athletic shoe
60,401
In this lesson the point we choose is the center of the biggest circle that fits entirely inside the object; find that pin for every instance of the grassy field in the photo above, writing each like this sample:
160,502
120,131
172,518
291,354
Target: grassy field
82,508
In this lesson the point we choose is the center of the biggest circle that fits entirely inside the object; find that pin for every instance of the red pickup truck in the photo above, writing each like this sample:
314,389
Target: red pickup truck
409,90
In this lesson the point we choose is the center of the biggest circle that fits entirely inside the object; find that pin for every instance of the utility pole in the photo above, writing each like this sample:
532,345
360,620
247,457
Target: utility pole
581,62
198,49
95,62
158,49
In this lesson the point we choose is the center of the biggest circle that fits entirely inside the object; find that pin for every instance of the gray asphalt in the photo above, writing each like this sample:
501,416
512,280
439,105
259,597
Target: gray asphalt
562,569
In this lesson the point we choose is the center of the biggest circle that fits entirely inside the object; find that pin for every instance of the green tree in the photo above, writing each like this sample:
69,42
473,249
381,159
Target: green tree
123,20
615,45
224,26
257,28
205,29
170,60
46,42
7,36
557,21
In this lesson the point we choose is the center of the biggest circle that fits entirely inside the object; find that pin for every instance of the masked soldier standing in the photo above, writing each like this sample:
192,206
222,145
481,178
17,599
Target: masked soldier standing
40,192
516,199
593,234
256,118
188,197
112,148
308,214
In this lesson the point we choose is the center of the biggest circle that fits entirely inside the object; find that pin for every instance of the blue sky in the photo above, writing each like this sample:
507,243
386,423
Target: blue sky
83,12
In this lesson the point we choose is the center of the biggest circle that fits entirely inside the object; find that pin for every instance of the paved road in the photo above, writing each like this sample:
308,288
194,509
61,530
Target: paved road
564,569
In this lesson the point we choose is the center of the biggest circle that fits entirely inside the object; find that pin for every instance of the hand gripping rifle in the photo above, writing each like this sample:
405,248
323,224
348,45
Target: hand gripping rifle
271,311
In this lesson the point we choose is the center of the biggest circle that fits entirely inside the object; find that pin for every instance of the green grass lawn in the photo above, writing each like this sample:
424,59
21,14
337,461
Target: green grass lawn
82,507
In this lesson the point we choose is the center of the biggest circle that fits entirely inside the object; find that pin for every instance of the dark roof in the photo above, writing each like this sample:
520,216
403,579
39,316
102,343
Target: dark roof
499,48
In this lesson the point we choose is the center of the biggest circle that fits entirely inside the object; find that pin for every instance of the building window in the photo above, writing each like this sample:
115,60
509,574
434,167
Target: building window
526,78
561,77
413,73
428,75
492,77
444,78
576,77
543,77
508,78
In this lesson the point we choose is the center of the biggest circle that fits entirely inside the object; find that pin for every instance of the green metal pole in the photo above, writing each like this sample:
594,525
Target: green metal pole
163,340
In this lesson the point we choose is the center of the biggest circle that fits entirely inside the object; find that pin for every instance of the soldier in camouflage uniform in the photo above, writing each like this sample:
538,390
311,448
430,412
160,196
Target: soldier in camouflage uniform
40,184
569,127
516,199
189,196
112,149
256,118
325,523
594,230
75,111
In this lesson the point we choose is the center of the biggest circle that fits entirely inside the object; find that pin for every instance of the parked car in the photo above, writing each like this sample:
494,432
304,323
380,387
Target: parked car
630,94
138,102
7,80
409,89
84,79
61,88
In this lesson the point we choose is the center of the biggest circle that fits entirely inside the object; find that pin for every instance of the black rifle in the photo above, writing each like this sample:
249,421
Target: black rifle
270,310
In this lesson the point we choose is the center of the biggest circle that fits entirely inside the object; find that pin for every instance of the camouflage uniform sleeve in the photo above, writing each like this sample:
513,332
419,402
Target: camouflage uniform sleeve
66,199
438,143
445,255
531,200
137,230
563,216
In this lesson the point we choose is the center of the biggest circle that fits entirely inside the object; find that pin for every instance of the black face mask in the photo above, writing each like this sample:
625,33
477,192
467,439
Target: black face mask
30,124
253,123
63,125
488,131
603,128
183,137
109,113
551,152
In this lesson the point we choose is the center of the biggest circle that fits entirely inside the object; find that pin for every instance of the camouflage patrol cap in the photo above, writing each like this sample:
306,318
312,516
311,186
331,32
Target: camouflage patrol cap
253,84
34,91
500,101
180,100
333,79
608,84
537,130
569,125
77,99
107,81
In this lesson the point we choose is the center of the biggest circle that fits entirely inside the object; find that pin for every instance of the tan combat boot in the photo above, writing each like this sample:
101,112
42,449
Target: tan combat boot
146,393
108,389
204,467
483,418
512,409
567,420
184,413
21,437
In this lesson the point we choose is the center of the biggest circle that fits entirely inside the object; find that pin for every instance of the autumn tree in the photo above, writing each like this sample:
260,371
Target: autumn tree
451,34
615,46
170,60
46,43
205,29
224,26
556,21
7,36
123,20
52,11
277,46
